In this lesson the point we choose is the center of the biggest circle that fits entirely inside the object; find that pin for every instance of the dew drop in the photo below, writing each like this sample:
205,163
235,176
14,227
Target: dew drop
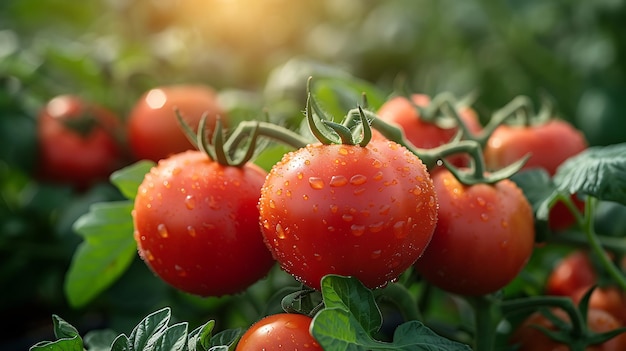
417,191
347,217
378,176
272,204
162,230
484,217
180,271
432,202
504,223
358,179
376,163
192,231
384,210
316,183
299,175
167,184
279,192
343,151
338,181
307,162
357,230
480,201
176,170
376,227
286,183
190,202
358,191
334,208
280,233
376,254
331,228
398,230
317,256
305,197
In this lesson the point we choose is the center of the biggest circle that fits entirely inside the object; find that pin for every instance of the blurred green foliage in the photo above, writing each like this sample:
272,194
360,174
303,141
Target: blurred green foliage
258,54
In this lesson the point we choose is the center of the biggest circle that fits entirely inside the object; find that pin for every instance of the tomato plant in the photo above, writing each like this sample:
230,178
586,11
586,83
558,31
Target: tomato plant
283,331
528,337
78,141
607,298
427,131
196,224
483,238
367,212
153,130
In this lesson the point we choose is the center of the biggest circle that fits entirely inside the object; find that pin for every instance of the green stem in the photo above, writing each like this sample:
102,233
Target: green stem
596,245
613,244
267,129
484,310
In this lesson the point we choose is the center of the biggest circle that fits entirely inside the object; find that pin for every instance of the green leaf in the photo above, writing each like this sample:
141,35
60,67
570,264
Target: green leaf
128,179
107,251
228,337
99,340
349,294
344,325
150,329
174,338
72,344
200,338
599,171
62,329
121,343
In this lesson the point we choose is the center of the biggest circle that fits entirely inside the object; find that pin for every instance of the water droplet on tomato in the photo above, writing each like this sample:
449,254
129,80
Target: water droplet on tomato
190,202
300,175
357,230
316,183
504,223
484,217
331,228
192,231
480,201
338,181
504,244
176,170
280,233
213,203
334,208
343,151
376,163
180,271
376,227
167,184
305,197
358,179
279,192
147,254
378,176
376,254
384,210
399,230
347,217
431,201
317,256
272,204
162,230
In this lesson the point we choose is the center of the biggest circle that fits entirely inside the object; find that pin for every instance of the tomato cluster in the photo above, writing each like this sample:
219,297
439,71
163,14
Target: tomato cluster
428,194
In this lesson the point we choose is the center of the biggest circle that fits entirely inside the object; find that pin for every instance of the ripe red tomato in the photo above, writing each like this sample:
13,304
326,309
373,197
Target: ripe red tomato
423,134
366,212
530,338
549,144
283,331
606,298
196,224
77,143
153,129
484,236
575,271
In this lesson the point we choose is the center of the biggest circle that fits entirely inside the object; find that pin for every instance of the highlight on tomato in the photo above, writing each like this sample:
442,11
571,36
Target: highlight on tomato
153,129
79,141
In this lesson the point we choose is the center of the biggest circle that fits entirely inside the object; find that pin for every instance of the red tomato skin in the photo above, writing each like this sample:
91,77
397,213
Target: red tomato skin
484,236
549,145
196,224
283,331
68,156
531,339
575,271
153,129
402,112
366,212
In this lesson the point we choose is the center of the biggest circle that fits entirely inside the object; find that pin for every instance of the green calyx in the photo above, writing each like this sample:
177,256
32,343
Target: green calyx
353,130
215,148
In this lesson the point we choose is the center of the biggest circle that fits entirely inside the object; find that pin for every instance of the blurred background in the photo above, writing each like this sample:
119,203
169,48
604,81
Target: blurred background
256,54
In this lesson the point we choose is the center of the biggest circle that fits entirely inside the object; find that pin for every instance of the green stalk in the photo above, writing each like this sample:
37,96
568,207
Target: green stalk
484,311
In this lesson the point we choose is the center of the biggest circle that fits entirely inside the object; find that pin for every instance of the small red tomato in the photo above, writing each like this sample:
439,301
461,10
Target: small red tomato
367,212
77,142
196,224
153,129
483,238
549,145
283,331
529,338
423,134
575,271
606,298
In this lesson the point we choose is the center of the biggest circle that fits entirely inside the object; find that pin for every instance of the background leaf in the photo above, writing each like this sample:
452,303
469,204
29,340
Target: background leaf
129,178
107,250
